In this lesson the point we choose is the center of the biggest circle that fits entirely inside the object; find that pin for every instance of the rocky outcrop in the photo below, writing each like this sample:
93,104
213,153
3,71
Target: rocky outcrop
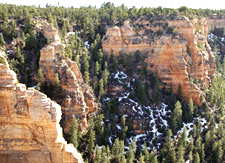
215,22
177,49
79,100
29,125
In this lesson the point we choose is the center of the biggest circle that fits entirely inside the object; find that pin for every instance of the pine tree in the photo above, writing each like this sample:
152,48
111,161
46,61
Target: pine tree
197,158
191,145
177,117
113,62
124,128
131,152
57,81
64,29
217,152
183,138
223,66
73,133
105,76
190,156
121,58
141,158
168,151
142,95
77,60
100,56
199,148
13,30
114,107
117,150
2,41
137,56
90,137
97,69
98,157
86,77
190,110
180,154
101,88
23,37
40,75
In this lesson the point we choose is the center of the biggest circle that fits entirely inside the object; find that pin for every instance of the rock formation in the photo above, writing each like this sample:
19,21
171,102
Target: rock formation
177,49
79,100
29,124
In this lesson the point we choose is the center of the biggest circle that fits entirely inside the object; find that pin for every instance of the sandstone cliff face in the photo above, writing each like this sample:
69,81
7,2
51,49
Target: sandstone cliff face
79,100
29,124
176,57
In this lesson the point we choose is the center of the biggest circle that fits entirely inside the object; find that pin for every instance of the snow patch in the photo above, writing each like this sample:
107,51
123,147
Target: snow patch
87,44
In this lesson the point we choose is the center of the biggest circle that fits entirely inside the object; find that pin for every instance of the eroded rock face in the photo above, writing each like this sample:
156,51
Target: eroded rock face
29,125
79,100
176,57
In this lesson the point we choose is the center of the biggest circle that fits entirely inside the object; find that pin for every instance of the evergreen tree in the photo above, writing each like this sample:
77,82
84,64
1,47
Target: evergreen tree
168,153
64,29
137,56
183,138
217,152
2,41
223,66
105,76
118,150
73,133
114,107
177,117
90,137
197,158
190,110
121,59
97,68
190,156
142,95
141,158
57,81
113,62
86,77
180,154
77,60
98,157
13,30
191,145
124,128
40,75
131,152
100,56
101,88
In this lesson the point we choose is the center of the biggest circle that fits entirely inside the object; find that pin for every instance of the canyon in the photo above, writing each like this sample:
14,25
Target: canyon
29,124
79,100
176,48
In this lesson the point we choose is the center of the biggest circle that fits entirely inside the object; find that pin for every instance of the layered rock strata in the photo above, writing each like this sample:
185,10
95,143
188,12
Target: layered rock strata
29,125
177,49
79,100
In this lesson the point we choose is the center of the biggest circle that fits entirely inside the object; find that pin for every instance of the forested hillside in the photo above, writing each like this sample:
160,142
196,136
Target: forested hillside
133,114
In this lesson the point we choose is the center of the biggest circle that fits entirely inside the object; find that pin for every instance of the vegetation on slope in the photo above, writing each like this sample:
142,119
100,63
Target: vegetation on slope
196,144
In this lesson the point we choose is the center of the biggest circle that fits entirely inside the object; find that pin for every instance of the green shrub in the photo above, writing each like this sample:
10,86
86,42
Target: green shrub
2,60
201,46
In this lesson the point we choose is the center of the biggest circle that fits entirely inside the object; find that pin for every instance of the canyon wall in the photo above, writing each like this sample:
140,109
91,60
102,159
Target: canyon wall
29,124
177,49
78,100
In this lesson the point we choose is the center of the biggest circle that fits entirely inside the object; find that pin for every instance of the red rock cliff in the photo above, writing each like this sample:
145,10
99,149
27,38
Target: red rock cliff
177,57
29,125
79,100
